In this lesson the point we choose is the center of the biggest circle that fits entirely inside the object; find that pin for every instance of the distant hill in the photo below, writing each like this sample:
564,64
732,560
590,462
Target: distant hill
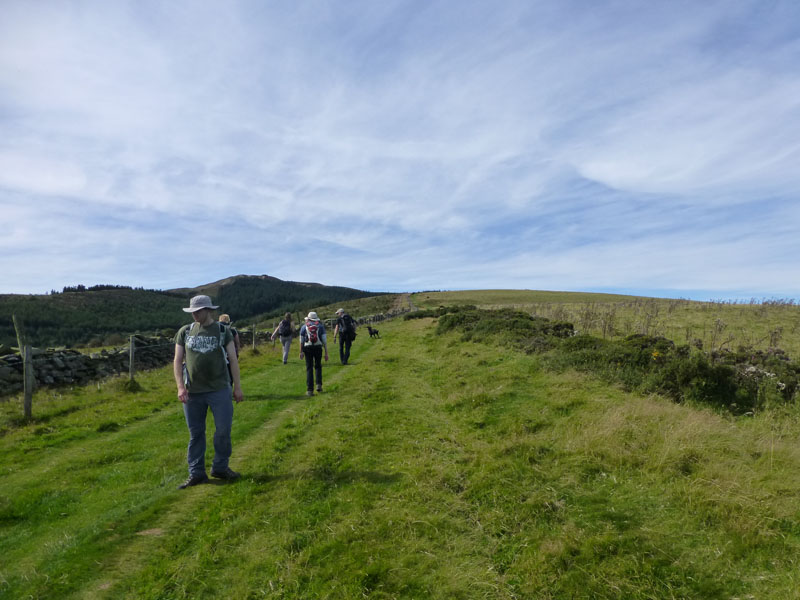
245,296
105,315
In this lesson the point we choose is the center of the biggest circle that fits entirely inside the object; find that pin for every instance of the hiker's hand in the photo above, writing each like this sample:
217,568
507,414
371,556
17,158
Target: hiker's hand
326,357
183,395
238,395
301,355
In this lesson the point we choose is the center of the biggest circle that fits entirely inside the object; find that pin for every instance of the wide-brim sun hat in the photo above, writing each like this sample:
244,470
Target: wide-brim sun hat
341,310
199,303
312,316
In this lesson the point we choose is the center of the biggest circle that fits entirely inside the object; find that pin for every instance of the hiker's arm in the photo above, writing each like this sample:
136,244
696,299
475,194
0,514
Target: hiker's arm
238,395
177,371
335,332
302,340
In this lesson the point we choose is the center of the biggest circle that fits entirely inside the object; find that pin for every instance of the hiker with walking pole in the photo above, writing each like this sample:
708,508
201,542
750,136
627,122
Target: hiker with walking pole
204,351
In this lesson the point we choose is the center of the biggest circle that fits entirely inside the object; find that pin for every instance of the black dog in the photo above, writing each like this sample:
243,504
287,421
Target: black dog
373,332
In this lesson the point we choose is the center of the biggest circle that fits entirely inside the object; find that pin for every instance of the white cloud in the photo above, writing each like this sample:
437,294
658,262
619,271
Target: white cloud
41,175
509,145
707,136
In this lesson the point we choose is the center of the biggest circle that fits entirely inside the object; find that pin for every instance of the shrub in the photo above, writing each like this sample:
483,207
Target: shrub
435,313
510,326
740,382
115,339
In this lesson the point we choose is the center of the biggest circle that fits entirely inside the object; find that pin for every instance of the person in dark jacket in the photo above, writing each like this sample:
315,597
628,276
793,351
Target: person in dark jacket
346,332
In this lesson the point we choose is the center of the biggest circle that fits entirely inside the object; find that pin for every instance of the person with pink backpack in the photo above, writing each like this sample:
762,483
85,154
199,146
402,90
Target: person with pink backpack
313,342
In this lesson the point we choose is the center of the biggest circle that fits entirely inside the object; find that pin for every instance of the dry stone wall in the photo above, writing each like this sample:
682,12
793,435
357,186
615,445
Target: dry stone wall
65,367
70,367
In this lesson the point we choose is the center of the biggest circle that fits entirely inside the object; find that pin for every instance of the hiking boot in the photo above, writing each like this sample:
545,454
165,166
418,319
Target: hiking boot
193,480
309,393
226,473
319,389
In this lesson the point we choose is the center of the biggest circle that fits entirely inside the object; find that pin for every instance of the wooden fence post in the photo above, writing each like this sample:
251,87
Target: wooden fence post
131,366
254,336
29,381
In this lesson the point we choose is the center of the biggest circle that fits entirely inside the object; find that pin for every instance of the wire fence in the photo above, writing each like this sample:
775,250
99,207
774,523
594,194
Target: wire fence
53,367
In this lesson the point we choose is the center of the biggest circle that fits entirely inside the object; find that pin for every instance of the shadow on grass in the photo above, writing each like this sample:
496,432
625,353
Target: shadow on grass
339,477
272,397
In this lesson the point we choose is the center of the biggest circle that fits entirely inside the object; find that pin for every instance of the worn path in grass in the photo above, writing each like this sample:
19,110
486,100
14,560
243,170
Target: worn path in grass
429,468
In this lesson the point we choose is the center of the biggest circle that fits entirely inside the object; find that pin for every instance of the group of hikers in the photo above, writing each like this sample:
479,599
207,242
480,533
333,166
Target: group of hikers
206,370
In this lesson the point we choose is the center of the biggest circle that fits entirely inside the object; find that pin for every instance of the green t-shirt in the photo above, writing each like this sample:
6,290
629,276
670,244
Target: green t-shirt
205,359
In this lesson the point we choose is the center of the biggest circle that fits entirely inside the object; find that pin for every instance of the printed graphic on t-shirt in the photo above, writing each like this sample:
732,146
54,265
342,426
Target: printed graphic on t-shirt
202,344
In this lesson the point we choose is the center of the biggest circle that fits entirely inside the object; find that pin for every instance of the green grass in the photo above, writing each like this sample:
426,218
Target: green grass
429,468
716,325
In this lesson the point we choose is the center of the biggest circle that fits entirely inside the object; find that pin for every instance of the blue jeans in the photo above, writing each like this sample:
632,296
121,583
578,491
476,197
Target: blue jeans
221,404
286,342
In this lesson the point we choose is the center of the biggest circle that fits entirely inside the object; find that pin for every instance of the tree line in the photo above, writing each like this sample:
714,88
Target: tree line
102,314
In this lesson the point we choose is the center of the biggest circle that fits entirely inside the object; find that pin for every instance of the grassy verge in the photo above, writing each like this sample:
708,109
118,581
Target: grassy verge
713,325
429,468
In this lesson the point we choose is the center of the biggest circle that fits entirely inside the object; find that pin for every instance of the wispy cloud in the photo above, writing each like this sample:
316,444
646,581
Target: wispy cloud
402,145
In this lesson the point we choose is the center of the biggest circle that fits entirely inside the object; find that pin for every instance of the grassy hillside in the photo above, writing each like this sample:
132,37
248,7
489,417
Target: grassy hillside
429,468
107,315
359,307
715,325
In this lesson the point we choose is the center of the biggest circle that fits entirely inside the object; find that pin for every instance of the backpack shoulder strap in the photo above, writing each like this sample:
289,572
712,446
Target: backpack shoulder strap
222,330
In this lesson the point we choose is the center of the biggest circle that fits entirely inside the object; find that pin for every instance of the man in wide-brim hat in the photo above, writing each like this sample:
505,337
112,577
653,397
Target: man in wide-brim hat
204,351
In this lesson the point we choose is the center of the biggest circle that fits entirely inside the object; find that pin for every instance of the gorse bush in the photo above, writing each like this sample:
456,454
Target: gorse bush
512,326
438,312
655,364
741,382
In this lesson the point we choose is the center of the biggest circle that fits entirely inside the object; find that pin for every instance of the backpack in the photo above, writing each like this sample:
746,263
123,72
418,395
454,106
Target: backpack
348,328
312,333
285,328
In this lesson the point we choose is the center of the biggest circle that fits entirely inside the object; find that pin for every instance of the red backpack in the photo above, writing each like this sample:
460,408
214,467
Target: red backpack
312,332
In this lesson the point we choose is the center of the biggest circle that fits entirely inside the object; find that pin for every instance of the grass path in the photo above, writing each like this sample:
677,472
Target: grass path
428,468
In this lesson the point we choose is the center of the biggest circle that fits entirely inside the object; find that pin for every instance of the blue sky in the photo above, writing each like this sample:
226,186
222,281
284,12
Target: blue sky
636,147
